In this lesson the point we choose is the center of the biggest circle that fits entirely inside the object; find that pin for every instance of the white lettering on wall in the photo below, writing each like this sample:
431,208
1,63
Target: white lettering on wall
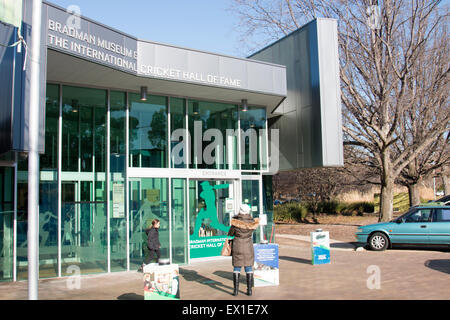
171,73
88,45
71,38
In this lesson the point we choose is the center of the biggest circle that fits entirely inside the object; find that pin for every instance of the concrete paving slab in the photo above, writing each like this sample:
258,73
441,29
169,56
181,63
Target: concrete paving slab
334,244
392,274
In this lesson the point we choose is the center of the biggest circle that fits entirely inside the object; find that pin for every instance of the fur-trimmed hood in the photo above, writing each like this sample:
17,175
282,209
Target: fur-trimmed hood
245,222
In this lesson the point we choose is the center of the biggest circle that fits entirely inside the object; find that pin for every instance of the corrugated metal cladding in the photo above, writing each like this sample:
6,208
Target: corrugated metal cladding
310,119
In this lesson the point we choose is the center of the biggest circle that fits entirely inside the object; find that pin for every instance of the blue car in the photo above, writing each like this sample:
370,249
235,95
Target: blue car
422,225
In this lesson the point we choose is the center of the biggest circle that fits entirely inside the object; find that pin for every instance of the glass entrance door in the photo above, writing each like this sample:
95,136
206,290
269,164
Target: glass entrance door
211,205
83,227
148,201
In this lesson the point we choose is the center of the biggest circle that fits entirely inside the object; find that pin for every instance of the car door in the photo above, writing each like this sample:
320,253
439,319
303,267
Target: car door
414,229
439,231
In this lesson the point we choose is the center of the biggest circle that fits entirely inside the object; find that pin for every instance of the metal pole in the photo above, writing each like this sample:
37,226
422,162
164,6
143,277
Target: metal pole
33,156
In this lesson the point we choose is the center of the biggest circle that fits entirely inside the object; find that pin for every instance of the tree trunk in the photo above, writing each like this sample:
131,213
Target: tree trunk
446,180
414,196
387,189
386,201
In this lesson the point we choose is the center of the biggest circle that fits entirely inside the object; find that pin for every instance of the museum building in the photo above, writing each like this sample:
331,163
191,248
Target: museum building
132,130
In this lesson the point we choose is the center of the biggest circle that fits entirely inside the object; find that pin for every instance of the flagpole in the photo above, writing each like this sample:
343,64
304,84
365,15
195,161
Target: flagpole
33,155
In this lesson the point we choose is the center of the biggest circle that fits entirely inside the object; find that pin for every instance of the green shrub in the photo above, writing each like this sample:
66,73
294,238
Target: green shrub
297,212
290,212
329,207
358,208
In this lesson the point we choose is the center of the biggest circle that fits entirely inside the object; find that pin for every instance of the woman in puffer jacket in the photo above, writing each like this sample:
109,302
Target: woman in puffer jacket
242,228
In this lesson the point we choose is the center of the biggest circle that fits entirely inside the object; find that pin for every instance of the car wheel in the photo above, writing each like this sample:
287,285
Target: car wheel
378,241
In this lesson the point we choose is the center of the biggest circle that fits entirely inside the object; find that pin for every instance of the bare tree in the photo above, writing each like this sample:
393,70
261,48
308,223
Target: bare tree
394,73
423,166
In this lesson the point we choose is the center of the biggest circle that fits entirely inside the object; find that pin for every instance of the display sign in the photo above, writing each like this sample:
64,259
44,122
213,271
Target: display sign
266,271
118,190
207,246
161,282
229,205
263,219
320,247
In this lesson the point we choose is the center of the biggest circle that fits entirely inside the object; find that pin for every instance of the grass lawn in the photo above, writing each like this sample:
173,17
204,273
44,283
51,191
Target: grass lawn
401,202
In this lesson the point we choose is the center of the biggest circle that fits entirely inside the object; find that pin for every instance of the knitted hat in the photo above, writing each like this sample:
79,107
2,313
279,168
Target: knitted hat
244,209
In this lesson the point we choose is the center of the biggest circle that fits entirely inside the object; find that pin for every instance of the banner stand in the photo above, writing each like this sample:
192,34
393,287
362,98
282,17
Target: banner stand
161,282
320,247
266,269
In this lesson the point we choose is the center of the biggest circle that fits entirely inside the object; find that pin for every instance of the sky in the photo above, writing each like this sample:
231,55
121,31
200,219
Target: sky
198,24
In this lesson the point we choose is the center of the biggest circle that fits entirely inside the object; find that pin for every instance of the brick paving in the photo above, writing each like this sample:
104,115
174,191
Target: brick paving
404,274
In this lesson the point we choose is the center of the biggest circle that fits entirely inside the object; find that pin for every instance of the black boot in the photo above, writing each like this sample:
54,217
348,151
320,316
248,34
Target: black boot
236,283
249,283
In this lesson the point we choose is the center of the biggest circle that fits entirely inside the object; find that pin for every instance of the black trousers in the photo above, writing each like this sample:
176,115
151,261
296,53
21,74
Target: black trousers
151,253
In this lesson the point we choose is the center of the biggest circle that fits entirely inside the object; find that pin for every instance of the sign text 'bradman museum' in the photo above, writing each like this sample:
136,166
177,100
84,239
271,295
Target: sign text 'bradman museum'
102,45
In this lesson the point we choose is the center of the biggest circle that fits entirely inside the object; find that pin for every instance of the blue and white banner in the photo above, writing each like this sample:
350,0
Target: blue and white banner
266,272
320,247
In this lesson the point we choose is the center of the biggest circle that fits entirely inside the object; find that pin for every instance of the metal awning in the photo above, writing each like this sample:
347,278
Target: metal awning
64,68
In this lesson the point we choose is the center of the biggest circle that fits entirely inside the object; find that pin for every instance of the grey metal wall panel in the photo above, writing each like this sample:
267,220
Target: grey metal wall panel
310,55
161,61
330,94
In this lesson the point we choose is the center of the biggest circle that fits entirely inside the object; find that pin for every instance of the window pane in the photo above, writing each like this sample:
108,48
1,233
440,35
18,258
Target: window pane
269,229
177,124
220,151
209,217
148,201
118,226
443,215
83,216
148,131
49,160
250,196
48,188
22,220
179,222
6,222
419,216
253,139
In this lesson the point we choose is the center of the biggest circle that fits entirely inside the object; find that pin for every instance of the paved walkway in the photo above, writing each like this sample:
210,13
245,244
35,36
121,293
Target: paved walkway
334,244
402,274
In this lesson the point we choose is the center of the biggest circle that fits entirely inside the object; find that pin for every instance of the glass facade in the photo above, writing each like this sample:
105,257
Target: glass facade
48,188
112,164
83,179
117,160
251,197
148,131
6,222
253,139
212,128
148,201
179,222
178,142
